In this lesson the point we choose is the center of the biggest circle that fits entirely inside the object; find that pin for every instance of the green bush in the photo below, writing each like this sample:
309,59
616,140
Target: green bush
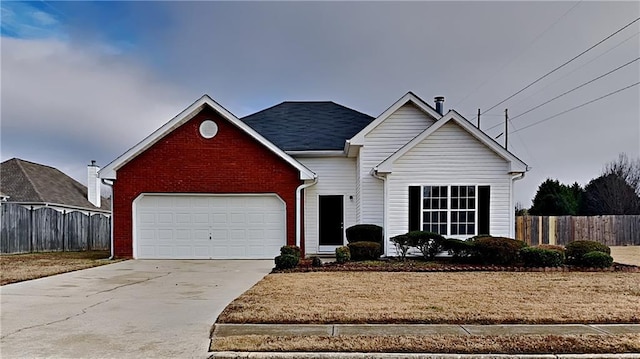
458,249
428,243
597,259
541,257
577,249
286,261
401,243
316,261
290,250
364,233
365,251
343,254
498,250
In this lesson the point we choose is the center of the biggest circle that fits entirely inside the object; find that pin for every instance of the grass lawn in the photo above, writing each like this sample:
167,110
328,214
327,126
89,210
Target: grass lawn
446,298
21,267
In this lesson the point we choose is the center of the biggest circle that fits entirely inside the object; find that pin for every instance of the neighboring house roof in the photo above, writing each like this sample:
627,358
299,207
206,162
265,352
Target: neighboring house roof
27,182
358,138
110,170
516,165
308,126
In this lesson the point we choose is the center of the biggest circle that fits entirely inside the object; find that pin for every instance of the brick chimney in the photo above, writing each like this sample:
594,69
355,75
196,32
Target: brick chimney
93,184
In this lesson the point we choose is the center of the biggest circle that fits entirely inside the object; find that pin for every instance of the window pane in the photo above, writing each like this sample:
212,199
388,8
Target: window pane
443,229
435,192
471,191
454,216
435,204
443,217
471,217
426,203
454,191
463,204
443,203
470,229
471,203
443,191
461,228
426,191
454,229
463,216
426,217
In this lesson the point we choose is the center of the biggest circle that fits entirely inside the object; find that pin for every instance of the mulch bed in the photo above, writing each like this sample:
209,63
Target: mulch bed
411,265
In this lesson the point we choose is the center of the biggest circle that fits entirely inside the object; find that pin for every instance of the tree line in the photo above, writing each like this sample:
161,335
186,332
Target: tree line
615,192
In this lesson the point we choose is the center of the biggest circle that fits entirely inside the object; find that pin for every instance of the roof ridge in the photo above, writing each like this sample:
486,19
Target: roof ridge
26,175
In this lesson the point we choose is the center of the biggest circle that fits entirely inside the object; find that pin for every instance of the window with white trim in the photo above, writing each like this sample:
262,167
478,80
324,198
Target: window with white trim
449,210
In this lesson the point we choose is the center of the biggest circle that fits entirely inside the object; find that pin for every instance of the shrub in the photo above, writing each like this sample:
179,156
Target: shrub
541,257
364,233
552,247
597,259
428,243
290,250
458,249
316,261
577,249
286,261
498,250
401,243
363,251
343,254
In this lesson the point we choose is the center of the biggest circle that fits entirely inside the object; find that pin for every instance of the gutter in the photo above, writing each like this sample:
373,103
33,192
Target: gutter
298,216
374,173
110,184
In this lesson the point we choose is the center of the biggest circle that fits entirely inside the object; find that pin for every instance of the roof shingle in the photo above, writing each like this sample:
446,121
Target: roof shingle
25,181
305,126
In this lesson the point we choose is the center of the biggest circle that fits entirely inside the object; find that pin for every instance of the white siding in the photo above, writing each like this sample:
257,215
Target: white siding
336,176
393,133
449,156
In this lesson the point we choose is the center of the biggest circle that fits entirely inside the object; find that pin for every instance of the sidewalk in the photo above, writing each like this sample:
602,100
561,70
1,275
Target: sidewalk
225,330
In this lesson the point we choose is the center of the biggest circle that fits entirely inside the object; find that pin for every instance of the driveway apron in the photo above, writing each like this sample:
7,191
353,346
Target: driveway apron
131,309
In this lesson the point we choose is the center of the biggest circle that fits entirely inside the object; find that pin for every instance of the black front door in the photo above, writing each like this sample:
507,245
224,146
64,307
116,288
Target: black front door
331,222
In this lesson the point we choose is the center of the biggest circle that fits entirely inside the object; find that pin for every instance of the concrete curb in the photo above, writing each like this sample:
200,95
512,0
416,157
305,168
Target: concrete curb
292,355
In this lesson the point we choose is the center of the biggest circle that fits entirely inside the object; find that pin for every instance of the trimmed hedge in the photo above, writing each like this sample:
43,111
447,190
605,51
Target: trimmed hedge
541,257
316,261
364,233
459,249
363,251
343,254
597,259
286,261
577,249
498,250
428,243
291,250
402,244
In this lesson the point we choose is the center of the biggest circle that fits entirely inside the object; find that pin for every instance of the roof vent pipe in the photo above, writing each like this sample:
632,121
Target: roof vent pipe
439,104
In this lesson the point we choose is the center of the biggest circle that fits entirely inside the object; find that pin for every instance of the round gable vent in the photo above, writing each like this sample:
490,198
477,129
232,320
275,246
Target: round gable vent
208,129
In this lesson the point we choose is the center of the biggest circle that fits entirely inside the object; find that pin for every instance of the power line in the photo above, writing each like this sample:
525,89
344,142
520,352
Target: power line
566,92
574,70
561,66
518,56
577,107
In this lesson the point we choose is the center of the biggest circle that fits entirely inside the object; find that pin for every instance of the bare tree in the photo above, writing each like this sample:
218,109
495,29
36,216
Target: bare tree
627,169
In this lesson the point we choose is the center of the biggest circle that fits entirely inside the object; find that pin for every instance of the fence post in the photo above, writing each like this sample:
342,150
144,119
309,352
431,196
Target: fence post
89,232
64,220
31,230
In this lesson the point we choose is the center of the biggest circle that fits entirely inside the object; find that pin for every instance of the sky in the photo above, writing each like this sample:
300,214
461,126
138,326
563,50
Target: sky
84,81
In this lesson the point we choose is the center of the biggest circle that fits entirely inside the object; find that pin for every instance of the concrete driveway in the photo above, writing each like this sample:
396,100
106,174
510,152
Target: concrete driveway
131,309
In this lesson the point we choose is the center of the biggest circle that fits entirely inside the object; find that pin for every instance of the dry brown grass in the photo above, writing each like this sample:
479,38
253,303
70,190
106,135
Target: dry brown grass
466,297
511,344
21,267
626,254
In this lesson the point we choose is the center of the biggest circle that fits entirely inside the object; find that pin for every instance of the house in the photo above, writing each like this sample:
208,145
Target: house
210,185
34,185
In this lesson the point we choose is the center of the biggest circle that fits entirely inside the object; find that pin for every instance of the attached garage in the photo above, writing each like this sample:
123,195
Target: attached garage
180,226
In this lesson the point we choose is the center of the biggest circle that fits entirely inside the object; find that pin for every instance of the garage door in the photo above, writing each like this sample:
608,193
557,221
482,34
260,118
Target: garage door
209,227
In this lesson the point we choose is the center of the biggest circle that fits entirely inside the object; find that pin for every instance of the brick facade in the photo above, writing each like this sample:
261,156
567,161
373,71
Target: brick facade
185,162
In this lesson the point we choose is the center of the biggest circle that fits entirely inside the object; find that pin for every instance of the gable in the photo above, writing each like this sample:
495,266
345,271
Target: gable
403,124
205,102
457,134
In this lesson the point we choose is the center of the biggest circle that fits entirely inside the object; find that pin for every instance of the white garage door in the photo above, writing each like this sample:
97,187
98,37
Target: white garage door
209,227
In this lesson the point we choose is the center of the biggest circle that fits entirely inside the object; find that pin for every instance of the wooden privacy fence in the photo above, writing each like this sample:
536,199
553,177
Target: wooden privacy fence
44,229
609,230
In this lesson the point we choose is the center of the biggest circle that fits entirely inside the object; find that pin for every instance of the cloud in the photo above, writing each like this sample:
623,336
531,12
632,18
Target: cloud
64,105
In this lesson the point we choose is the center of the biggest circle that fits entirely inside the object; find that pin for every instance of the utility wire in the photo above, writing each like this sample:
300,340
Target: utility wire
574,70
577,107
518,56
566,92
563,65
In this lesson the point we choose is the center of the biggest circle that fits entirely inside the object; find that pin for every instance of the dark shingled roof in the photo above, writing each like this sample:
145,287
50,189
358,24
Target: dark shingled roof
303,126
25,181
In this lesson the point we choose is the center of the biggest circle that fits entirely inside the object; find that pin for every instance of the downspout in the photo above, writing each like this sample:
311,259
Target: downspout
514,178
374,173
298,200
104,181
